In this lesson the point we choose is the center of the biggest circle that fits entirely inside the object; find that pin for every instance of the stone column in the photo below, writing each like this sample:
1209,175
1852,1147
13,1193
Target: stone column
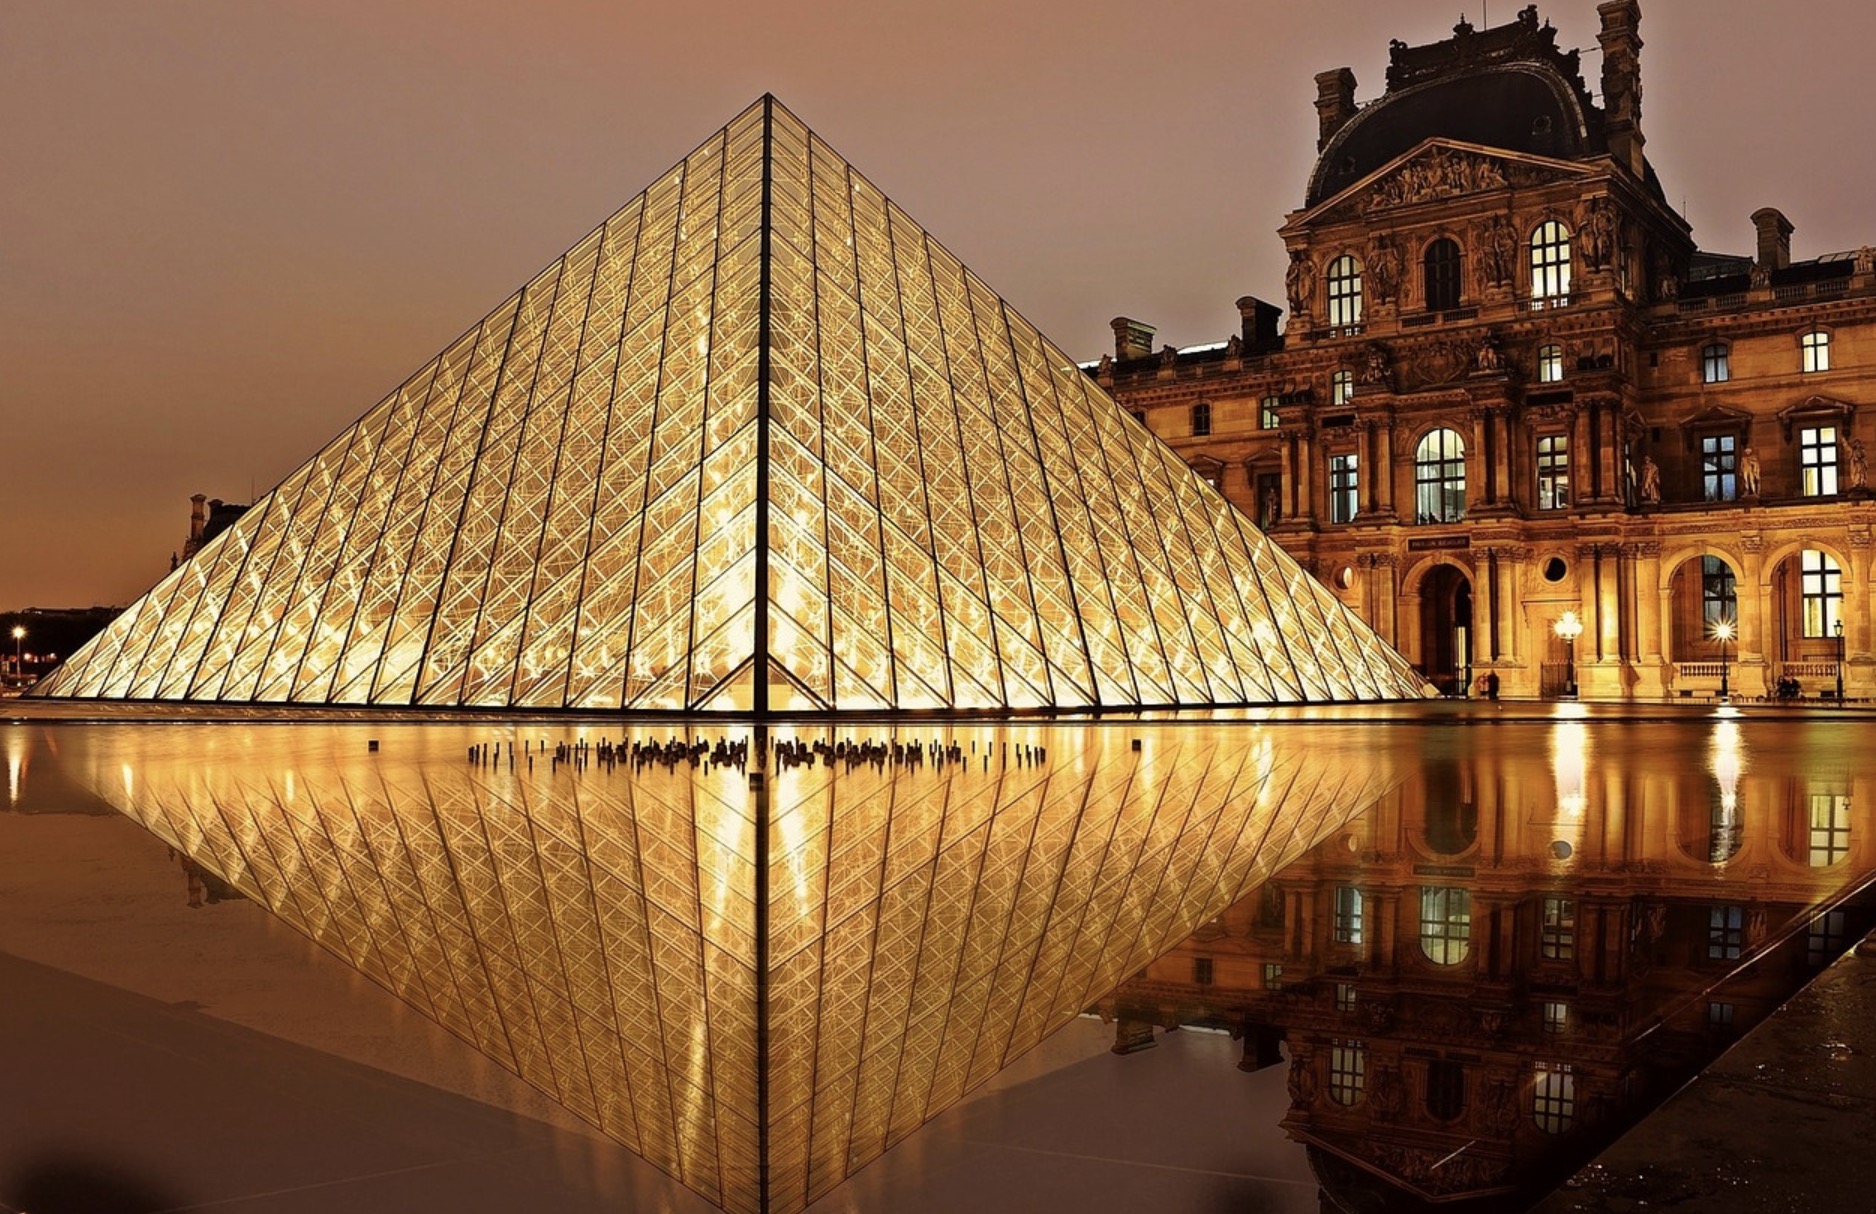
1387,604
1501,418
1386,469
1648,615
1478,462
1857,661
1485,609
1286,450
1755,619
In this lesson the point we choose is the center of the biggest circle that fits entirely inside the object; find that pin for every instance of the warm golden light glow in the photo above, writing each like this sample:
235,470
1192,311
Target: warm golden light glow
593,500
1723,630
1568,626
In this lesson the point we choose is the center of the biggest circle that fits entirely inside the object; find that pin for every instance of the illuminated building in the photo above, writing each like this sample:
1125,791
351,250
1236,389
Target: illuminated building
757,443
1511,386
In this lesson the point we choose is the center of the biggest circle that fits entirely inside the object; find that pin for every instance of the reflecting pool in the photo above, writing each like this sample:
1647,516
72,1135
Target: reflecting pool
760,960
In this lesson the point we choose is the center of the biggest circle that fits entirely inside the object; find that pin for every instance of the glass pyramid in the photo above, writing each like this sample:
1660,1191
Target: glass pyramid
757,443
757,984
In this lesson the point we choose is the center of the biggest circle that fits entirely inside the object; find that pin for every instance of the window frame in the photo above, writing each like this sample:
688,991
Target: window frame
1716,362
1820,594
1202,419
1719,593
1553,1096
1814,352
1267,415
1818,452
1347,921
1446,924
1344,286
1550,363
1553,471
1348,1071
1829,838
1719,468
1440,478
1341,387
1551,262
1557,929
1344,486
1726,932
1442,278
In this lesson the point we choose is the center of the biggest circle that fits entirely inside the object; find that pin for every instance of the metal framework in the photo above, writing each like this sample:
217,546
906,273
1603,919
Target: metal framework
758,443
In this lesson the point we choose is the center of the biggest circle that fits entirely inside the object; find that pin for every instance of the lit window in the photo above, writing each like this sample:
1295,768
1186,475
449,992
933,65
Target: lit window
1726,932
1347,915
1267,418
1201,419
1442,277
1830,828
1342,387
1445,924
1556,1017
1825,941
1273,976
1440,478
1553,1097
1720,1015
1550,262
1345,996
1201,971
1344,292
1559,936
1344,488
1817,461
1716,363
1719,594
1719,467
1550,364
1348,1071
1553,472
1820,586
1816,347
1725,832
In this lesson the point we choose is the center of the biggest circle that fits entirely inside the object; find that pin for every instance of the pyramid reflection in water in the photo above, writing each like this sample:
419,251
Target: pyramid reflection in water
599,932
757,442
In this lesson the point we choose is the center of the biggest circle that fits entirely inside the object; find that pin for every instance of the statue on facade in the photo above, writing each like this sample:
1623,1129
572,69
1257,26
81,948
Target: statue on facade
1300,281
1749,473
1596,232
1168,357
1650,481
1488,358
1105,369
1866,260
1234,346
1374,364
1761,276
1498,252
1859,465
1384,269
1302,1079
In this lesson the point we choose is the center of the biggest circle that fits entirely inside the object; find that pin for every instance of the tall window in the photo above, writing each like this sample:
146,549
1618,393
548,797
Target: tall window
1201,971
1445,924
1824,942
1342,387
1553,472
1202,418
1345,996
1820,588
1556,1017
1815,346
1817,461
1550,364
1559,936
1344,488
1347,915
1719,467
1348,1070
1440,478
1344,292
1442,277
1550,262
1726,932
1716,363
1553,1097
1267,418
1830,828
1446,1089
1719,595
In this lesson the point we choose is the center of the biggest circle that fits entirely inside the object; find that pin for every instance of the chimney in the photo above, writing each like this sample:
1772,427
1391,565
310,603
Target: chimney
1260,324
1131,339
1621,81
1774,238
196,515
1335,103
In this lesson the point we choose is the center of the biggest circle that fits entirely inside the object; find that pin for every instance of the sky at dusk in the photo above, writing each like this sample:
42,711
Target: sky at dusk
229,227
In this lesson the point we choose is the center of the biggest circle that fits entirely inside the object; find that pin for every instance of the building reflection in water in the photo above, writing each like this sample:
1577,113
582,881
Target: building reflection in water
758,980
1507,962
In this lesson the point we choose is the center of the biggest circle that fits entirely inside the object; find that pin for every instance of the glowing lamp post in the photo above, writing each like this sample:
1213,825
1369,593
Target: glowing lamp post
1569,628
1723,632
19,638
1839,631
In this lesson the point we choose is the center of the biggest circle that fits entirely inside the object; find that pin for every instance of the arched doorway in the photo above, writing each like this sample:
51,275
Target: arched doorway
1446,629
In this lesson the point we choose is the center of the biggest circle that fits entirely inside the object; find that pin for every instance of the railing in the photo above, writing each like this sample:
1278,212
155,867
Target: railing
1547,303
1808,670
1702,670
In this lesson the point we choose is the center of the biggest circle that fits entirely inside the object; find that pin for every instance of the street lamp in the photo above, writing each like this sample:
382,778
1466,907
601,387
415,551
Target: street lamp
19,664
1569,628
1839,632
1723,632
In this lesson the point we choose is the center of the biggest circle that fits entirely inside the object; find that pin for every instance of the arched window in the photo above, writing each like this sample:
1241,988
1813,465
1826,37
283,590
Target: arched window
1344,292
1820,586
1441,275
1550,262
1553,1097
1550,364
1830,828
1816,350
1445,924
1440,478
1716,363
1342,387
1719,595
1202,418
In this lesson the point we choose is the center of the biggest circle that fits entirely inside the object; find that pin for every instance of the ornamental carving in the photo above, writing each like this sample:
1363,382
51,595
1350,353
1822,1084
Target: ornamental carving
1596,232
1384,268
1302,1079
1438,1171
1497,246
1439,362
1387,1095
1443,174
1498,1107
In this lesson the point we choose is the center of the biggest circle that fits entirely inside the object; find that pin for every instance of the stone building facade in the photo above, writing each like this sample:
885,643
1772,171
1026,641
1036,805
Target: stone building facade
1511,389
